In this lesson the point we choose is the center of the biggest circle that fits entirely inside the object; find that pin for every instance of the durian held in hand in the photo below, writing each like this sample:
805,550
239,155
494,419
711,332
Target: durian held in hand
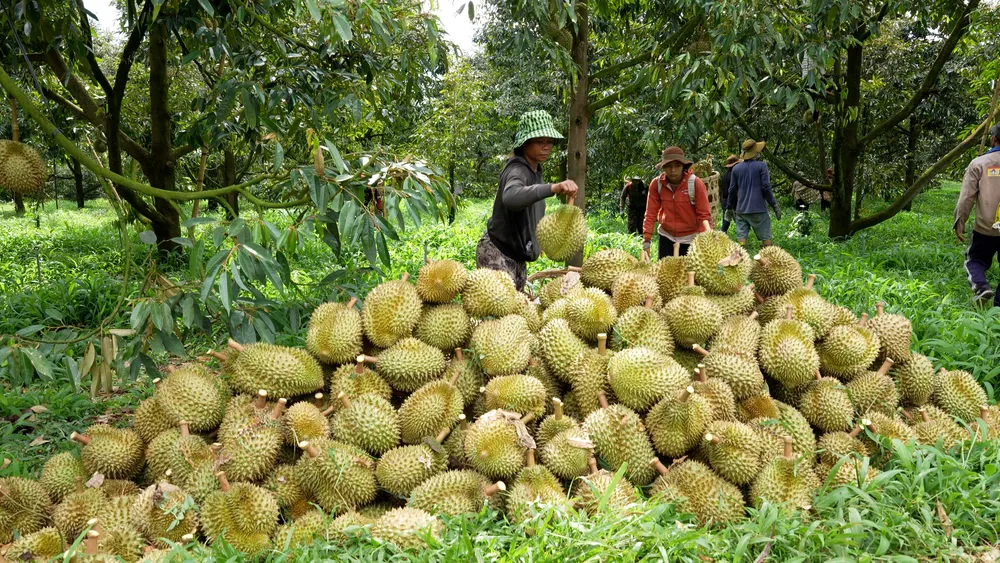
563,233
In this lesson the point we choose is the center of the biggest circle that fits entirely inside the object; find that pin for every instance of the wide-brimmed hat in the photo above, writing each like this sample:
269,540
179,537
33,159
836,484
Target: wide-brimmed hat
733,160
751,149
534,124
672,154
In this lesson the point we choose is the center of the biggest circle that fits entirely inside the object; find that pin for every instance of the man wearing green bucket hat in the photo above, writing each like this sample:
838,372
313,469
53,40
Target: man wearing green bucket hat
510,240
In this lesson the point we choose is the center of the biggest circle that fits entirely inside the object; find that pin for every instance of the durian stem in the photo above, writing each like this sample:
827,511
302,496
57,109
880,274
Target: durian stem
684,394
855,431
700,373
157,382
571,200
758,298
753,316
327,411
713,438
868,424
863,321
649,302
690,278
352,302
886,366
223,481
906,414
491,490
762,261
217,355
677,250
788,447
923,415
454,377
526,419
983,411
363,359
592,464
460,355
442,434
576,269
659,467
310,449
279,408
699,349
602,343
318,400
261,399
216,448
557,407
405,276
235,345
788,312
880,308
810,281
602,399
185,431
81,438
530,457
170,368
168,474
344,400
428,260
93,536
463,422
79,484
818,375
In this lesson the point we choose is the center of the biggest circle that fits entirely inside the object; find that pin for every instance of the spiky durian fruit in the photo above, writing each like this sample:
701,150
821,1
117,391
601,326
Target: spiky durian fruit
280,370
560,287
739,304
566,452
409,364
287,492
619,436
357,379
22,170
831,446
194,394
390,312
788,480
503,345
775,272
114,452
698,490
334,334
42,545
589,491
738,371
943,427
24,507
789,422
59,475
495,443
518,393
490,293
304,421
734,450
444,327
402,469
559,309
761,406
848,350
882,431
914,379
164,513
718,393
958,393
590,375
468,376
693,318
640,377
339,476
671,274
590,313
810,308
368,422
149,419
553,424
720,265
454,493
302,531
632,289
826,404
874,391
434,406
562,233
787,352
72,514
738,334
251,437
441,281
246,513
406,527
602,268
642,326
177,451
894,332
535,488
561,348
677,423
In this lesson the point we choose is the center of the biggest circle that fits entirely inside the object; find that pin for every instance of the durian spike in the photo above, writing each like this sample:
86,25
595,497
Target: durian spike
753,315
352,302
530,457
279,408
758,298
235,345
863,321
557,407
713,438
788,312
602,343
788,447
880,307
81,438
886,366
677,250
699,349
442,434
310,449
405,276
855,431
344,400
649,302
526,419
463,422
218,355
223,481
318,400
261,399
602,399
684,394
923,415
183,424
363,359
707,225
170,368
157,383
690,278
810,280
983,411
79,484
762,260
491,490
659,467
592,464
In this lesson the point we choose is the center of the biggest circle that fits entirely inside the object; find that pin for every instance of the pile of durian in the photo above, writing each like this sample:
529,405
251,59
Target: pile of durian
441,396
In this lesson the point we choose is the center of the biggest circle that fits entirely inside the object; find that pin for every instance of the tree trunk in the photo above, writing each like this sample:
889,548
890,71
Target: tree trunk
576,142
161,166
15,135
847,149
451,182
74,166
228,179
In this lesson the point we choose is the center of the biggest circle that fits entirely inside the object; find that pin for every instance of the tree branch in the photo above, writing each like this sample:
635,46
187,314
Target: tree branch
679,37
781,164
957,32
862,33
617,68
133,148
610,99
95,69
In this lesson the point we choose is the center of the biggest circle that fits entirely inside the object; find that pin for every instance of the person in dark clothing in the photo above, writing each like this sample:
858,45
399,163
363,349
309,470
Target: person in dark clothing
724,182
635,192
510,240
751,184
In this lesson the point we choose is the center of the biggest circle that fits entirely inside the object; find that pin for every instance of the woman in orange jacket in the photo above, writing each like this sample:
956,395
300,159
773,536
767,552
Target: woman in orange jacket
677,204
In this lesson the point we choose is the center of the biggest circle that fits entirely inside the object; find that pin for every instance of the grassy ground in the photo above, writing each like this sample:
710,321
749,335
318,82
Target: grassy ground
67,271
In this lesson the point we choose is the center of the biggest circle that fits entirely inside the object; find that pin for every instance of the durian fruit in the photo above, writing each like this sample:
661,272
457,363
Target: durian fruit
643,326
304,421
843,316
42,545
434,406
885,429
761,406
633,289
165,513
281,370
738,334
720,265
24,507
915,380
177,451
368,422
348,524
245,513
59,475
444,327
787,352
874,391
812,309
693,318
287,492
619,437
532,314
677,423
553,424
788,480
590,313
894,333
454,444
718,393
561,348
334,334
117,539
470,376
22,170
162,452
406,527
943,428
696,489
518,393
490,293
115,488
71,515
193,394
671,274
739,304
339,476
590,375
496,442
402,469
734,451
641,377
560,287
357,379
789,422
540,371
589,491
454,493
408,364
775,272
302,531
832,446
503,345
602,268
535,488
959,394
848,350
566,453
251,437
990,423
827,405
391,312
562,233
441,281
115,453
559,309
738,371
149,419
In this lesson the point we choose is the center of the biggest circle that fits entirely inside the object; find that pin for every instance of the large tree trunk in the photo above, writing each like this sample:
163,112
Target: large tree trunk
74,166
161,166
576,142
229,179
847,149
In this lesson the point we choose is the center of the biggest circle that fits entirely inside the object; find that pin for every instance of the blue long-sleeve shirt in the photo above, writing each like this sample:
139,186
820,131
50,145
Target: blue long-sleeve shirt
750,182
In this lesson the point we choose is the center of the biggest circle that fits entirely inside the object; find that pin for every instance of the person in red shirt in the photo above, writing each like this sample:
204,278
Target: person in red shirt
677,204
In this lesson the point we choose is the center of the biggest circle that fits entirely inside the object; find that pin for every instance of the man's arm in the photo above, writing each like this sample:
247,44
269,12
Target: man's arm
702,209
765,187
652,208
734,191
966,199
518,195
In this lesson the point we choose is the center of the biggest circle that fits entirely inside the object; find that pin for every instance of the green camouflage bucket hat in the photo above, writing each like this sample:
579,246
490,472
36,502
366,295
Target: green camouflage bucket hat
535,124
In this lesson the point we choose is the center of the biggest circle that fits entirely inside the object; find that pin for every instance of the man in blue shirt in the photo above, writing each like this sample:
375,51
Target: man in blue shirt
749,190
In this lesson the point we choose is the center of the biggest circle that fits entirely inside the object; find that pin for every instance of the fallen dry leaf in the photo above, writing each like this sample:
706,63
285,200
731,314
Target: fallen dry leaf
945,520
6,462
95,481
569,280
39,409
39,441
733,259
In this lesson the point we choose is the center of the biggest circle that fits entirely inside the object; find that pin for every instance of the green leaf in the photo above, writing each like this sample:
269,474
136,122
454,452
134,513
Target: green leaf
200,220
335,155
313,10
172,344
42,365
227,302
207,6
191,56
250,109
28,331
147,237
472,12
343,27
279,156
183,241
